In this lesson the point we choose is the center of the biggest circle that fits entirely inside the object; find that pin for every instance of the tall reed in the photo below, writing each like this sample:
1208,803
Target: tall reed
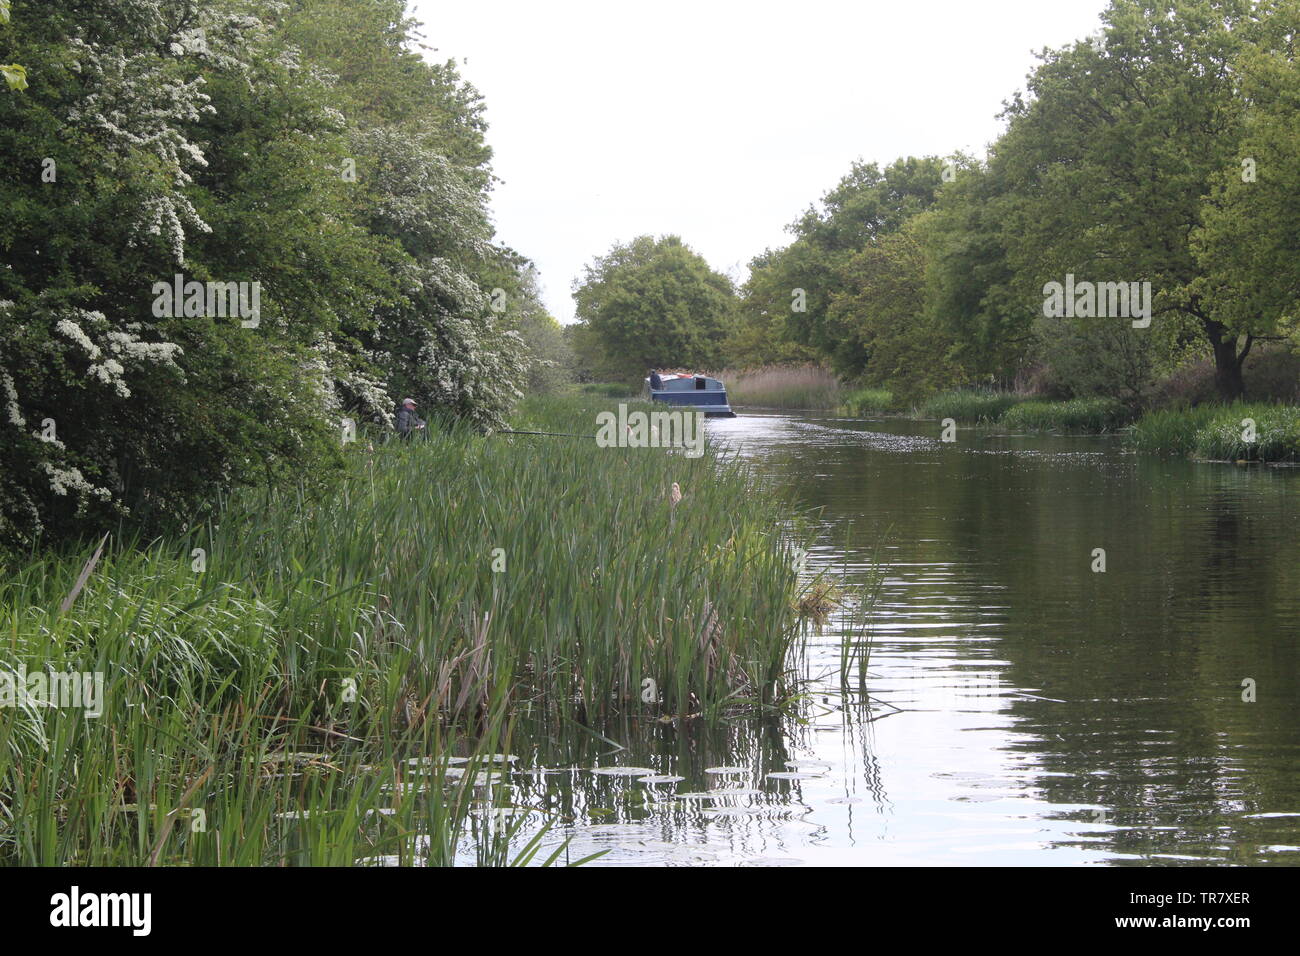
289,683
783,386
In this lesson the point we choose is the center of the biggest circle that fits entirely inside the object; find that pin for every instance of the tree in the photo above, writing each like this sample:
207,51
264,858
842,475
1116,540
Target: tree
972,291
792,289
655,303
1111,154
1246,242
15,76
881,313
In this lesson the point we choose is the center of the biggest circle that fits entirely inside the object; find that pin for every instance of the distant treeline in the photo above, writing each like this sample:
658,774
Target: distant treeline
1132,229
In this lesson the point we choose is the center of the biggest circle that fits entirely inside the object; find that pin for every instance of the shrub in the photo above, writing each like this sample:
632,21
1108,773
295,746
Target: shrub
868,401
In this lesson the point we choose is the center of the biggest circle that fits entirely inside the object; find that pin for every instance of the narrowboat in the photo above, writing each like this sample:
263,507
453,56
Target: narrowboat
686,388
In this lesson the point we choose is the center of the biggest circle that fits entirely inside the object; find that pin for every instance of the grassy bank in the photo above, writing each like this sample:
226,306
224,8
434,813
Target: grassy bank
1222,433
1209,431
968,405
1093,415
303,688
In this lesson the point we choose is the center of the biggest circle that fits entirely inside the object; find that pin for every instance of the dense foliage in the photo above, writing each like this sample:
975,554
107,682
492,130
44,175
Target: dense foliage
652,303
304,146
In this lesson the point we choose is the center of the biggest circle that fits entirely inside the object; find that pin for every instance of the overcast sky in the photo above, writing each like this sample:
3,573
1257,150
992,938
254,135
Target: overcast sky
722,121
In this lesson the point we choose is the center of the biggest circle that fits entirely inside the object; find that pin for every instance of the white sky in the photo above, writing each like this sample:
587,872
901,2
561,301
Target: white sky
722,121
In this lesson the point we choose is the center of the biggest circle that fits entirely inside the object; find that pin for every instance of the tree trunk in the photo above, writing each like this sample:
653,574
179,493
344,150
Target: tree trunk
1227,361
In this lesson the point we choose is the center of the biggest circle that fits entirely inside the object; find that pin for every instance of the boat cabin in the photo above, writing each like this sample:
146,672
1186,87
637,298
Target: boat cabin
687,388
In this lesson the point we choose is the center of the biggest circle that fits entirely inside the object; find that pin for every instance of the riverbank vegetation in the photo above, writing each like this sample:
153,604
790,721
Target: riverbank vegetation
315,642
1075,415
310,676
1242,431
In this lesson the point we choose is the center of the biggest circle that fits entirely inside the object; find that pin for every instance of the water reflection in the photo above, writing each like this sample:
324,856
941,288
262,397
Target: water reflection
1020,707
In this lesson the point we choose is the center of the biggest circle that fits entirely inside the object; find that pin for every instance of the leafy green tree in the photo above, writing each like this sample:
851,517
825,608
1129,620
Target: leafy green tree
881,313
1246,243
971,288
15,76
655,303
798,284
1110,155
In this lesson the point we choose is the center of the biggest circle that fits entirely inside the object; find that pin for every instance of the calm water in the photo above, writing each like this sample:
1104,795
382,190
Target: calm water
1020,708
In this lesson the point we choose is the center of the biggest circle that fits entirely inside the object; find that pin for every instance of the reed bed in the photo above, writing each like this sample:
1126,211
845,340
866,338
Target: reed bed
783,386
1170,431
303,688
1276,434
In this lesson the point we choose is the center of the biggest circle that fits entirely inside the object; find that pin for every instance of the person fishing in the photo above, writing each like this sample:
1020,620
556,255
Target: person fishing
408,423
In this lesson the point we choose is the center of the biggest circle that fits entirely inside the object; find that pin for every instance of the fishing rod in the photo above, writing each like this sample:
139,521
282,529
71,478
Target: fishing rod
511,431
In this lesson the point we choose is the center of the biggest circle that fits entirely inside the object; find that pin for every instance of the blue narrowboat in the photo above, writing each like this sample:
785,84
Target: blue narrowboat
685,388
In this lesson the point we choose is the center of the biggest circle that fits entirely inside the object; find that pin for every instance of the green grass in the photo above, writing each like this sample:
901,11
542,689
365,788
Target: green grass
968,405
331,641
1079,414
867,401
1216,432
1171,431
1277,434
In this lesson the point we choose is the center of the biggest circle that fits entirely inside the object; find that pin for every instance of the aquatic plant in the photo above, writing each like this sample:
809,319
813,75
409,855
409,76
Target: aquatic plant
268,675
867,401
1076,414
1242,431
968,405
1170,431
1247,431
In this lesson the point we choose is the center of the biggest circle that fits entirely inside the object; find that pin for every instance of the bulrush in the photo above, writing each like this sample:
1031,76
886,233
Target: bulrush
369,623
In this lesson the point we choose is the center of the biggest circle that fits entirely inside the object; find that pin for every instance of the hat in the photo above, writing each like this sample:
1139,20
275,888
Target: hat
408,401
